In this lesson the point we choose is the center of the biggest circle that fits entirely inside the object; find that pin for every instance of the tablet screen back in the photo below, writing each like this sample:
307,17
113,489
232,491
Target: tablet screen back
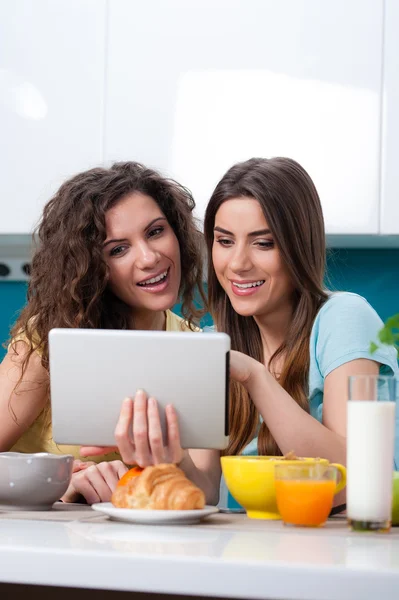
92,371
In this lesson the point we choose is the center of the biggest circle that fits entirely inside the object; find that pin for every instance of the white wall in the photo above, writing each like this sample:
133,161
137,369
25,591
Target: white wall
51,100
390,124
192,86
195,86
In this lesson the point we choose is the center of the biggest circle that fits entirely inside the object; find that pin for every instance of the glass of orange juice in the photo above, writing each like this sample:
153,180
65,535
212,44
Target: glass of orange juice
305,493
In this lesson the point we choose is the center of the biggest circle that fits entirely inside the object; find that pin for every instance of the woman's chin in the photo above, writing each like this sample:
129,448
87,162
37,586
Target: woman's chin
244,309
243,312
161,303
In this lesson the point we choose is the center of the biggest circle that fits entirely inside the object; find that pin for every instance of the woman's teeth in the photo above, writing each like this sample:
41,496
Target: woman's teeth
156,279
248,285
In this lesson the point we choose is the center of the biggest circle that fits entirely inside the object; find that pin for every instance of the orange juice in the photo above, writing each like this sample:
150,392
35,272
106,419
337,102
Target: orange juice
305,501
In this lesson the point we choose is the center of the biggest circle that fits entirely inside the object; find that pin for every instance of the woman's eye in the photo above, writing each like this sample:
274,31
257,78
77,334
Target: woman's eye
155,231
224,242
265,244
117,250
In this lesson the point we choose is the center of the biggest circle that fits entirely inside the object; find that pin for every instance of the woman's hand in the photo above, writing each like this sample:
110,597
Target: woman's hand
138,431
94,482
139,436
244,369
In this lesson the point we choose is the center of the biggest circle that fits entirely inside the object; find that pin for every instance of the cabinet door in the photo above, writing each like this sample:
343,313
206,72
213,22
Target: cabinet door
193,87
390,122
51,101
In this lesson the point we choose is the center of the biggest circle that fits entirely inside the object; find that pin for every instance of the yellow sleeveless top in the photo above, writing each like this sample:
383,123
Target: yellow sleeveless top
38,438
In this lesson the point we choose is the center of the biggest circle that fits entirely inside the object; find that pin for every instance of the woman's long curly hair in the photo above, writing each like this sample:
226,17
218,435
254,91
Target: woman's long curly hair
69,276
292,209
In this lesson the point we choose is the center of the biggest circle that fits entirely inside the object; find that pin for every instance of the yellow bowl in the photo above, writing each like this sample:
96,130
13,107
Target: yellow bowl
250,480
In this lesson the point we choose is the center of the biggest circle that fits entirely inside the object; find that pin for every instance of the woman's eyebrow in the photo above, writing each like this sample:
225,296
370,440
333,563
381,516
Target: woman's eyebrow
145,229
114,241
252,234
221,230
154,221
259,232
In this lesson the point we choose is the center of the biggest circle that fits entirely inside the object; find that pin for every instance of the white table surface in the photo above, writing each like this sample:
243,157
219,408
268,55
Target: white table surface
226,555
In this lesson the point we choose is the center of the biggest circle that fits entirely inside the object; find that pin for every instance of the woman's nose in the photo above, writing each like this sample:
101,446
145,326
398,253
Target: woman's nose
240,260
146,256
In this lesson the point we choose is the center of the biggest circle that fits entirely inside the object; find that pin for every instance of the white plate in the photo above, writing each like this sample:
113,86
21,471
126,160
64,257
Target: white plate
154,517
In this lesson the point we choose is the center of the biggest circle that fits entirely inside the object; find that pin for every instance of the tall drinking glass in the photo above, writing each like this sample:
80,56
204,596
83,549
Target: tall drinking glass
370,451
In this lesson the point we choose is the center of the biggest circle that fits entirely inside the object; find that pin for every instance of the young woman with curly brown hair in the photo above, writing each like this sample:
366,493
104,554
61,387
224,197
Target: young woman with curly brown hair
117,248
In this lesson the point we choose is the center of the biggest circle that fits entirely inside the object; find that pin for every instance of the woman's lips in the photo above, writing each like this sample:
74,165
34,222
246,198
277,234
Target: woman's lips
157,287
246,291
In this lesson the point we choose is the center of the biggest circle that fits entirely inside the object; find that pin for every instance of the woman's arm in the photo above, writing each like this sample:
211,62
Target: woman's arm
292,427
203,468
20,407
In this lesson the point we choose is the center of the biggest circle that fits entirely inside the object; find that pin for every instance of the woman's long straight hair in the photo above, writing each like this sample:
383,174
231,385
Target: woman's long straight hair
292,209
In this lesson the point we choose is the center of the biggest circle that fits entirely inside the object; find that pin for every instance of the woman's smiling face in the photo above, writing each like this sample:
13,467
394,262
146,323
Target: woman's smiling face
142,253
247,261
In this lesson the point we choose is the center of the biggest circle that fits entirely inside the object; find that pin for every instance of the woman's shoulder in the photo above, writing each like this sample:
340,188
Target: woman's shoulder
21,336
346,308
341,301
346,312
176,323
344,329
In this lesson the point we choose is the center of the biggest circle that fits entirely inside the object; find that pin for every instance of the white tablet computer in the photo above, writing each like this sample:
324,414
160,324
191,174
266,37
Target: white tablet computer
93,370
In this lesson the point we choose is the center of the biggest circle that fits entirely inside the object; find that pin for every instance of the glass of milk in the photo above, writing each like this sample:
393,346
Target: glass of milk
370,451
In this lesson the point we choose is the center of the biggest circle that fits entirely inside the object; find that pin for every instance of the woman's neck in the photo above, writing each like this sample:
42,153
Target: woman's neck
149,320
273,328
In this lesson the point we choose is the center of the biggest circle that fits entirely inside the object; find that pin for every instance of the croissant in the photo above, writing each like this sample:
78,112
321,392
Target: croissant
160,487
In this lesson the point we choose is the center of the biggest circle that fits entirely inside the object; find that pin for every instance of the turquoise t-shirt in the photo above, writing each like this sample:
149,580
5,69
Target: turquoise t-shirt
342,331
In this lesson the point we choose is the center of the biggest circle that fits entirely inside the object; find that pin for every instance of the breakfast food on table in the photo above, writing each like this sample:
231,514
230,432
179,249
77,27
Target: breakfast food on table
129,475
159,487
290,456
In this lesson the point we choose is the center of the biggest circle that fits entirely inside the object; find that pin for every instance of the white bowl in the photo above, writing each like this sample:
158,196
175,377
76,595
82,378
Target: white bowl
33,481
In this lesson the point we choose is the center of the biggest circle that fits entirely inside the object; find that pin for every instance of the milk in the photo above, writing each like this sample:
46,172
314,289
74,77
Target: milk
370,450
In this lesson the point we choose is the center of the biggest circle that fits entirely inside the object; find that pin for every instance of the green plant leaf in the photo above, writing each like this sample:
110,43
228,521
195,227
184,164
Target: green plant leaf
389,334
386,336
373,347
392,322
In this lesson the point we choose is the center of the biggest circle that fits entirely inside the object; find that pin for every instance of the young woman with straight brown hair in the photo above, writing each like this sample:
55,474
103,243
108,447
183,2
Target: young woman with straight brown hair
294,344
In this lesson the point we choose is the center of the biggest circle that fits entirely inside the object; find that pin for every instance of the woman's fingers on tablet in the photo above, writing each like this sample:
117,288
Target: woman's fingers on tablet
139,435
140,430
155,432
175,449
123,432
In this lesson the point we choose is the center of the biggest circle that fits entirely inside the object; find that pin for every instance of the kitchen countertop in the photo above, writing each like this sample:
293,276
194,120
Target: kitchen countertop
225,556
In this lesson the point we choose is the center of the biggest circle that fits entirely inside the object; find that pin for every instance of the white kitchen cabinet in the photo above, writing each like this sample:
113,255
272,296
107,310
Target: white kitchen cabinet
194,86
52,57
390,122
